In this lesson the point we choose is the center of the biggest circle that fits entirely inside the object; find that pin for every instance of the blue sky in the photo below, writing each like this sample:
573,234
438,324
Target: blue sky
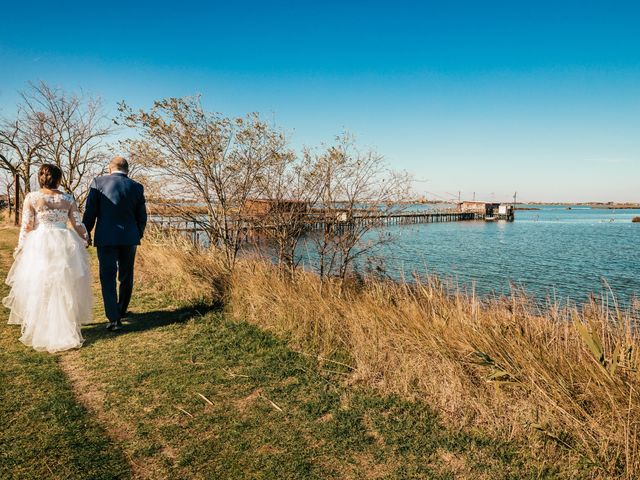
478,96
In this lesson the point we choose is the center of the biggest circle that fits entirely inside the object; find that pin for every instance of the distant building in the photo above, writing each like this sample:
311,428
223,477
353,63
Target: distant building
259,207
488,210
481,208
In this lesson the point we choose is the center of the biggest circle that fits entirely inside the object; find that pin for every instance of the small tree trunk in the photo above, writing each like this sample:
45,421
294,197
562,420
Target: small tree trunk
9,200
17,201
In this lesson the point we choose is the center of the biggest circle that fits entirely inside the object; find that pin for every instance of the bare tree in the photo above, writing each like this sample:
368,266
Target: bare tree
209,160
73,134
358,192
293,187
21,141
7,181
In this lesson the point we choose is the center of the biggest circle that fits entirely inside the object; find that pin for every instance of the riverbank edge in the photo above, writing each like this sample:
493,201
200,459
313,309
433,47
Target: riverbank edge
219,401
560,379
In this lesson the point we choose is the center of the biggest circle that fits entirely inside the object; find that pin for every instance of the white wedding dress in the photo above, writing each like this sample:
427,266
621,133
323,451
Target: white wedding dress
50,278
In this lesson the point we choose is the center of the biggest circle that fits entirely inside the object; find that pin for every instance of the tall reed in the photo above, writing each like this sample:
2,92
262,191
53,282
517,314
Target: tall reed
562,378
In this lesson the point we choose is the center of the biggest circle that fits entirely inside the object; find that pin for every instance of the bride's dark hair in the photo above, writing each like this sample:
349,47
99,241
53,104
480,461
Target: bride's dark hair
49,176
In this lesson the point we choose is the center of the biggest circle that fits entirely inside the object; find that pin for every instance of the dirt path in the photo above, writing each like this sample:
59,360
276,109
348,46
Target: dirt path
89,394
92,397
50,428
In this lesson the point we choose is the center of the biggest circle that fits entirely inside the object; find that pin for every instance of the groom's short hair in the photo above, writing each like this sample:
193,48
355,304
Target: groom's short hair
120,164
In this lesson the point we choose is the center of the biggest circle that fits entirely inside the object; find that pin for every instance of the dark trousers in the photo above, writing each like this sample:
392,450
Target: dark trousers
116,261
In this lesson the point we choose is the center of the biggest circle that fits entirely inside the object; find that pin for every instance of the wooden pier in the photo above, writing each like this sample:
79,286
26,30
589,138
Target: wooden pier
340,221
320,221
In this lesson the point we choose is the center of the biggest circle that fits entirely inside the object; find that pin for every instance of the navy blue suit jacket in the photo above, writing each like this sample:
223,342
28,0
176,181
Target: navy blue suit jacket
116,203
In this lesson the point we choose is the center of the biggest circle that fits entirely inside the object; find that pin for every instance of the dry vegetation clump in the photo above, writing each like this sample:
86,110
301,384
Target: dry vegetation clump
6,217
173,265
564,378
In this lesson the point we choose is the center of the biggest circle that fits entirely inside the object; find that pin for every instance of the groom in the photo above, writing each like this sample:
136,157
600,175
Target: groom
117,204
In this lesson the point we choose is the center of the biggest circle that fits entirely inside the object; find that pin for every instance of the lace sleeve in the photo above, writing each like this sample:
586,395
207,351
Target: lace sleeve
28,219
76,220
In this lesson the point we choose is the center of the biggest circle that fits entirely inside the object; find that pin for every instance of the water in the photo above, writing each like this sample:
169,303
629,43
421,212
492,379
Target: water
550,253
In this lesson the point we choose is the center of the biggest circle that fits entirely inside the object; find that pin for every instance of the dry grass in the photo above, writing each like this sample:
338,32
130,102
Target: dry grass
564,380
172,265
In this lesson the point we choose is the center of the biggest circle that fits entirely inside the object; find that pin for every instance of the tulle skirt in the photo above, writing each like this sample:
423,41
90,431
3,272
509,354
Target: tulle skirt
50,295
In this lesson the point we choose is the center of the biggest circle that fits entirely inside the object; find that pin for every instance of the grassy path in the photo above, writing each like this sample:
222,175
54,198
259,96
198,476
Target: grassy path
44,432
185,393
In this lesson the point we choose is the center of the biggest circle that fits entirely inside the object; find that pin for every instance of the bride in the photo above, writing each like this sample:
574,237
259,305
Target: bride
50,278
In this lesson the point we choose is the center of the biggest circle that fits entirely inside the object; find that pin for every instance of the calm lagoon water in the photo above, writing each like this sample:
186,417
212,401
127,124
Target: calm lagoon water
549,253
552,252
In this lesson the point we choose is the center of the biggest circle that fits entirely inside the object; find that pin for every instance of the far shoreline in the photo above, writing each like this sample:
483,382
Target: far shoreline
593,205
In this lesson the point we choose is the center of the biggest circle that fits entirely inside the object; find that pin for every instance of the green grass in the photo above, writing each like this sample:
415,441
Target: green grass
318,428
267,412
